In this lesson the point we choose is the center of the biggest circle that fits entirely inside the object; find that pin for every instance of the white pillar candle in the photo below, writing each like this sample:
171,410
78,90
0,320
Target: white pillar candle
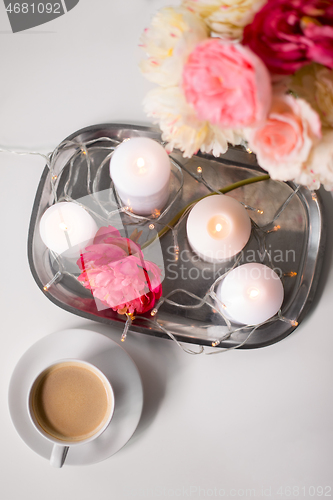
140,169
218,227
66,228
250,294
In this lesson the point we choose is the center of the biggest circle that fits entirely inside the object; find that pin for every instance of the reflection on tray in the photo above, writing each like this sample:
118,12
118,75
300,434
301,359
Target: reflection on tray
290,239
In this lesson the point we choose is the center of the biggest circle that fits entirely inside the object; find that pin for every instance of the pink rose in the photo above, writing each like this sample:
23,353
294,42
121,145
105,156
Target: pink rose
287,34
114,269
284,142
227,84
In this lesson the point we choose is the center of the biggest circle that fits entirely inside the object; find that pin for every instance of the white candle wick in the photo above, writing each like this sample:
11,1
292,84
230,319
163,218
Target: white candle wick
142,167
63,226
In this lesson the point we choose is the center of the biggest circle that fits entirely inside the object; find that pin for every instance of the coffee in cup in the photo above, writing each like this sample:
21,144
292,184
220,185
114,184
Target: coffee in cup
70,402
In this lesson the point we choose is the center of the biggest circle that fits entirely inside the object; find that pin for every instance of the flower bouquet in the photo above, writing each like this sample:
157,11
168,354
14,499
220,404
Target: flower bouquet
255,72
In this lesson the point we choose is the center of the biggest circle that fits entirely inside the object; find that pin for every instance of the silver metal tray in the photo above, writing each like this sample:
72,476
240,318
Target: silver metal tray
296,249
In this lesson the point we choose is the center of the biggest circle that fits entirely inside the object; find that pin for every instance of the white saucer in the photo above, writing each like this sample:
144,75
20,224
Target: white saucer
111,359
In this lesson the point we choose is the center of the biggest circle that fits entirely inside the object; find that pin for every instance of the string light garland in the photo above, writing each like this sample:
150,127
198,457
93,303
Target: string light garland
108,145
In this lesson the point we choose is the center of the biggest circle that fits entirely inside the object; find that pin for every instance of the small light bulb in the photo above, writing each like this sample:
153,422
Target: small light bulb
292,274
275,228
199,170
140,162
151,226
218,227
156,213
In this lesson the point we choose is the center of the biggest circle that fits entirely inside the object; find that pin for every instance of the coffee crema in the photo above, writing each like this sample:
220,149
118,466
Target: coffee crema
70,401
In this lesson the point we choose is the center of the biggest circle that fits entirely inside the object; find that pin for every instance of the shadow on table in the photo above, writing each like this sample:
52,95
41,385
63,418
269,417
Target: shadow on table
158,363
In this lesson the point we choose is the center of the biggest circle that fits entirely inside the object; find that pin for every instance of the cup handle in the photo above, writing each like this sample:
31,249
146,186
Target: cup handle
58,455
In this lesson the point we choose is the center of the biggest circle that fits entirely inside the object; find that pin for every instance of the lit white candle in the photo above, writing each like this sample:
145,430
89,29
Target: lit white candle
66,228
218,227
250,294
140,169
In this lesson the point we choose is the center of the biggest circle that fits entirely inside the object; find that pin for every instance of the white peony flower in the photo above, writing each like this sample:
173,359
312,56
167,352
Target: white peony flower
173,34
204,8
180,126
226,17
218,138
319,168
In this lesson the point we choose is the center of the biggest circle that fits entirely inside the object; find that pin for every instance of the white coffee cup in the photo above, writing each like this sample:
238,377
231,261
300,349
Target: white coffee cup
70,403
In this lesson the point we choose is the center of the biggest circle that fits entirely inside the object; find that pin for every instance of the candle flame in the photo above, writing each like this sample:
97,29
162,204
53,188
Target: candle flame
218,227
253,293
140,162
142,166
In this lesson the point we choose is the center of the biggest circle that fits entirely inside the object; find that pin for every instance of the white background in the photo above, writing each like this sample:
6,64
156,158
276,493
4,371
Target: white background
242,420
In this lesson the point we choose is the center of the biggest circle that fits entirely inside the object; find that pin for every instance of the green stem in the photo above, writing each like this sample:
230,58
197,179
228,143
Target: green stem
224,190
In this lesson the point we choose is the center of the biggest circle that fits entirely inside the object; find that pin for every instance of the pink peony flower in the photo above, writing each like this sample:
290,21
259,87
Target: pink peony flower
227,84
114,269
287,34
284,142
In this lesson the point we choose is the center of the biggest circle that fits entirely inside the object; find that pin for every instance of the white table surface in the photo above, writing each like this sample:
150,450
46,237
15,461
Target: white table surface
241,424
